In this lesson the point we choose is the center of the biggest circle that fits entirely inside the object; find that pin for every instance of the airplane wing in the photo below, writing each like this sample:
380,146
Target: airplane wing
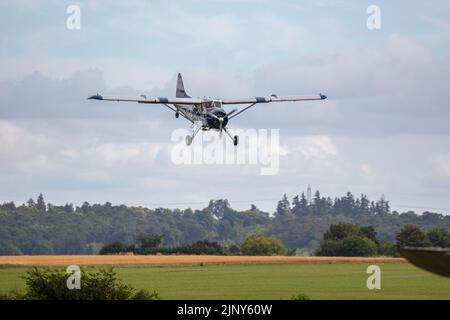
193,101
144,99
274,98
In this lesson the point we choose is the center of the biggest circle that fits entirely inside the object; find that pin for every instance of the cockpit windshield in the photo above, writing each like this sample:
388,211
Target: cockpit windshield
207,104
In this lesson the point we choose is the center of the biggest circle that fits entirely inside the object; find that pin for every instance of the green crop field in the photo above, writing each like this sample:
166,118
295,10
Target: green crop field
282,281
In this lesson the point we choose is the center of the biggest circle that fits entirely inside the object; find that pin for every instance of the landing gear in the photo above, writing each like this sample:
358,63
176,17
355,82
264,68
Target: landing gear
195,130
177,114
188,140
234,138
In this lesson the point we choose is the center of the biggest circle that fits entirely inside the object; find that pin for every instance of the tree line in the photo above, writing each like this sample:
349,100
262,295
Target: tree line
37,227
254,245
341,239
349,240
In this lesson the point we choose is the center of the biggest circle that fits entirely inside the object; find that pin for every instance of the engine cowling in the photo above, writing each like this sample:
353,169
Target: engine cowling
214,122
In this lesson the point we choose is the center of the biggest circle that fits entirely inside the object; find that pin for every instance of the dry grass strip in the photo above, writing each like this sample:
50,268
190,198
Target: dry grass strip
167,260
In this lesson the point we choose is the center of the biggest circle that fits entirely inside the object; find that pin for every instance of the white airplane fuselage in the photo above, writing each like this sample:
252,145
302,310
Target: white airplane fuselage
200,114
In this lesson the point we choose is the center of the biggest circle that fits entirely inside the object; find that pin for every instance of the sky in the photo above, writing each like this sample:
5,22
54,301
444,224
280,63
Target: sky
384,129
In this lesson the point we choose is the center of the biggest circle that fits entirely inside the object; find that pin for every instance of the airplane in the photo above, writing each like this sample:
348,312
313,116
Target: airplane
205,113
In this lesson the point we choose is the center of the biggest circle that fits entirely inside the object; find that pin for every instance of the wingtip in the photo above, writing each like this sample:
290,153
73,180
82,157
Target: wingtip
96,97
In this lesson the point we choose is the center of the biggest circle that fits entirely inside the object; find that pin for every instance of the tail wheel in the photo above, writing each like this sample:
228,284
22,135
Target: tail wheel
235,140
188,140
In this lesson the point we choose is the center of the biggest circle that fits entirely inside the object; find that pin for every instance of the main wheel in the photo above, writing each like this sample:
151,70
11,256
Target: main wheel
177,114
235,140
188,140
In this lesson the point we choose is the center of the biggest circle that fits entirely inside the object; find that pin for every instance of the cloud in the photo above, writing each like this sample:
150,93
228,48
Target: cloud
126,154
395,89
320,146
282,33
443,163
398,88
192,28
117,72
13,137
25,6
367,170
41,96
75,161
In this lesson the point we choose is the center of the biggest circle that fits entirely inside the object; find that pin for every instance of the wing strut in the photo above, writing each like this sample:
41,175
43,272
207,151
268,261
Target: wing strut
180,111
247,107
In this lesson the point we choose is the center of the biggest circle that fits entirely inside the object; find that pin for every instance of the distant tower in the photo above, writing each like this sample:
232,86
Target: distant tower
308,195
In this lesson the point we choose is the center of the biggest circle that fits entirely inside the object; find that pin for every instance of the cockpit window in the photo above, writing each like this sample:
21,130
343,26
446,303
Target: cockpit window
207,104
217,104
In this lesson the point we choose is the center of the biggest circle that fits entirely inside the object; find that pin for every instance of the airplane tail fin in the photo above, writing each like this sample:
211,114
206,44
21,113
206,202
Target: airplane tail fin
181,93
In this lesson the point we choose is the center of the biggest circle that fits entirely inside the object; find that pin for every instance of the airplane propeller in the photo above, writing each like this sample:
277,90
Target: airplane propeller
221,120
220,127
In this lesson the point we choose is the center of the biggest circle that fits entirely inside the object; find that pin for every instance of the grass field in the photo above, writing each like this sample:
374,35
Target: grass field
270,281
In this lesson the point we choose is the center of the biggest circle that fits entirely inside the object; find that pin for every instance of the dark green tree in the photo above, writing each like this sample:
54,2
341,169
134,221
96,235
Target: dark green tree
346,239
85,207
348,247
219,208
382,206
341,230
150,240
296,206
370,233
304,205
68,208
47,284
9,206
358,247
31,203
388,249
317,204
300,206
283,207
348,204
112,248
40,203
439,237
411,235
261,245
364,205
